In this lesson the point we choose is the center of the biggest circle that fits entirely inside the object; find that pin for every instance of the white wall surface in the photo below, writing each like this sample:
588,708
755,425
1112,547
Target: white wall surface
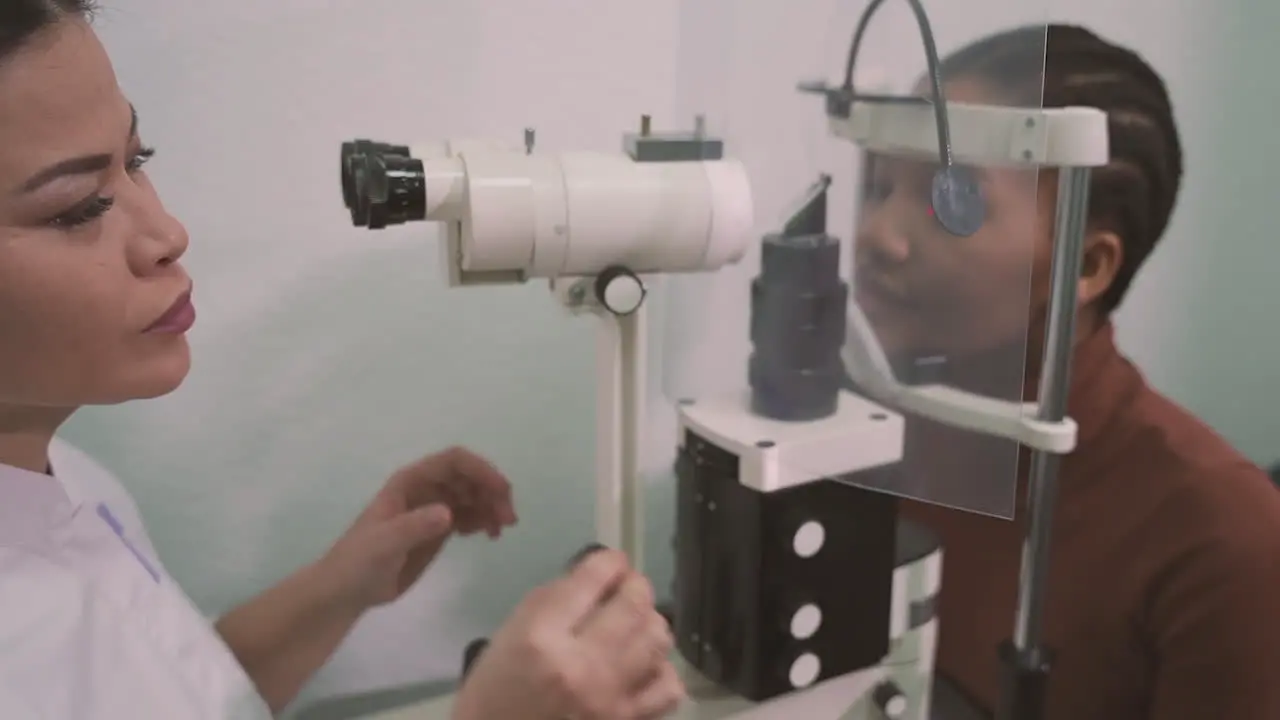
327,355
1221,344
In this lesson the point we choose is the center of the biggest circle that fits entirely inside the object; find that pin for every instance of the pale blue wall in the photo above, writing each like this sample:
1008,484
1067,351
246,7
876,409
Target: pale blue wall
1223,359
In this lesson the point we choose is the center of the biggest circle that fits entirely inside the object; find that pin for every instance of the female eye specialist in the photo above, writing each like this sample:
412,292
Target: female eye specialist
94,308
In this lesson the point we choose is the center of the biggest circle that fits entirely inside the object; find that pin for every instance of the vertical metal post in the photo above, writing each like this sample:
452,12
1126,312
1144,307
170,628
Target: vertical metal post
634,336
1027,660
621,348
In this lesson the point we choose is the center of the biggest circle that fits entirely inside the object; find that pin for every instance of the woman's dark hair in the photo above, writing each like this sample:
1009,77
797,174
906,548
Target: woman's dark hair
1134,195
21,19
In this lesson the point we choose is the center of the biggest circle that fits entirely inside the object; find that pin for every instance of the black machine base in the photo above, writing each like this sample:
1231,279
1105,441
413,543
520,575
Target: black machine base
742,576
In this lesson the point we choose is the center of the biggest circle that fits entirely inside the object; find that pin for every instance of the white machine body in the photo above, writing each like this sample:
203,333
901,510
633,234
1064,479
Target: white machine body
986,135
867,365
514,215
776,455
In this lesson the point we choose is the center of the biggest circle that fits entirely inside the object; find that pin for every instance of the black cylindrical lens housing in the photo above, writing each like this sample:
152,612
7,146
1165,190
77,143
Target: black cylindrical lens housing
382,184
798,315
354,149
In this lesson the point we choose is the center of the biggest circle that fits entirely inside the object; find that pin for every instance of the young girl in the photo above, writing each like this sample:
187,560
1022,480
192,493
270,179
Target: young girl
1165,568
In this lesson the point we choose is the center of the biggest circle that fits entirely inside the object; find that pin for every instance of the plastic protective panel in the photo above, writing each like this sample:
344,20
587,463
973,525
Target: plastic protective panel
879,334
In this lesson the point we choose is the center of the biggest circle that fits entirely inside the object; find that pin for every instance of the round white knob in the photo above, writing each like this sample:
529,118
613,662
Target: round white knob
805,622
805,671
620,291
809,539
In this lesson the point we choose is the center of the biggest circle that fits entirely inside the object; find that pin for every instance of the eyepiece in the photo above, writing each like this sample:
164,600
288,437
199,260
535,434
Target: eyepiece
381,184
355,148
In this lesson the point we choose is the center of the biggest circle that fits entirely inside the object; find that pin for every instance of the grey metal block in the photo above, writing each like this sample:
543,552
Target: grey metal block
672,147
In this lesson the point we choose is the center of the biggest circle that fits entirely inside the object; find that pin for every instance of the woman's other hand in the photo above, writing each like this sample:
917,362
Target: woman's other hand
408,522
588,646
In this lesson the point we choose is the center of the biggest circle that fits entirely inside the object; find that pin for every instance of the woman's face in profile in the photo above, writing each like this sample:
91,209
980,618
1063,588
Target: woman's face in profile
88,255
928,292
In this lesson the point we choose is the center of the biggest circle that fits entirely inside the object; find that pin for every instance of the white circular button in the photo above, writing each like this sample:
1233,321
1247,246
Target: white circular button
896,707
809,539
806,622
624,294
805,670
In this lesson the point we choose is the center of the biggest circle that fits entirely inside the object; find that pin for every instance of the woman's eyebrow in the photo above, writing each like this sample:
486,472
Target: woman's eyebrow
82,165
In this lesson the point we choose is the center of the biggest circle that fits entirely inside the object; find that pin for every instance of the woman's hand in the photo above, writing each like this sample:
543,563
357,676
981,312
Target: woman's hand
284,635
589,646
409,521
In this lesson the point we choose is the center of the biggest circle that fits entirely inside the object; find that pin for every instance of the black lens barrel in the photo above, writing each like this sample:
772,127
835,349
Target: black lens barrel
798,313
382,184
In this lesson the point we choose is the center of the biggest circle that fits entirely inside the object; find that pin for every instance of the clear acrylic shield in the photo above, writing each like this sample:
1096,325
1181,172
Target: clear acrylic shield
885,329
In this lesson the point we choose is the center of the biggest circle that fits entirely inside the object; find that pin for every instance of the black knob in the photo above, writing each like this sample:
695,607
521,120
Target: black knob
890,699
472,654
668,612
584,553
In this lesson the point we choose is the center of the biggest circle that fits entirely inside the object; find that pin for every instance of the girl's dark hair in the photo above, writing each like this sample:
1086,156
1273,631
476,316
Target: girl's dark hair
21,19
1134,195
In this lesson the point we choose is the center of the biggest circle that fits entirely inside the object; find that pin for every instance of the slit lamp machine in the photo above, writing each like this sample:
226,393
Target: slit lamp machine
797,593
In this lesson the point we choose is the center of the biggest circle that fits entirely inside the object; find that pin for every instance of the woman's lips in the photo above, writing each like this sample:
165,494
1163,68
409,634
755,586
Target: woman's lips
178,319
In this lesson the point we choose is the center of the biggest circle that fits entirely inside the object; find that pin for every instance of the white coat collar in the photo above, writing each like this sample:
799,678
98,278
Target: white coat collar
32,504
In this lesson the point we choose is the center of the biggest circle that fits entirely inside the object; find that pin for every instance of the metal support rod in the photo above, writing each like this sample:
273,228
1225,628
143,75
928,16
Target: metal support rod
1055,385
635,349
620,387
1027,662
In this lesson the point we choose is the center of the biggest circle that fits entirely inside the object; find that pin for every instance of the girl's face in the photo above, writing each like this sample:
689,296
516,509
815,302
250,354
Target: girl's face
92,297
928,292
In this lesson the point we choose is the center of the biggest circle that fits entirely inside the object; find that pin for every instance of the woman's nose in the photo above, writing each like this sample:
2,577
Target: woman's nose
172,241
160,241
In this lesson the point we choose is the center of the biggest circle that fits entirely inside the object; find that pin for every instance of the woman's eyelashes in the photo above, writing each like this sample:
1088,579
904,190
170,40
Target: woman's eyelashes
95,207
84,213
140,158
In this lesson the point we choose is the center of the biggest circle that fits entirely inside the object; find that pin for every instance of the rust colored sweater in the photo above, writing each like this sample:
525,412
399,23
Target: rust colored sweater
1164,598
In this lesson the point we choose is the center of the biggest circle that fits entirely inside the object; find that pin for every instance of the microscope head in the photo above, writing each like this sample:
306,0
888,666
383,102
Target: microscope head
507,214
